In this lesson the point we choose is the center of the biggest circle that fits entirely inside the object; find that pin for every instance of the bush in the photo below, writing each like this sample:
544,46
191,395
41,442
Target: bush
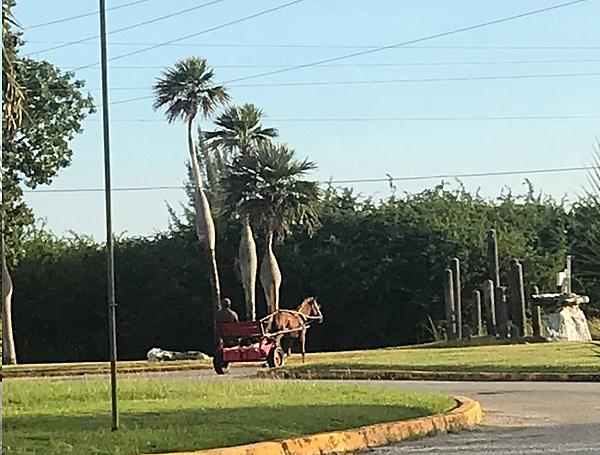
376,268
594,325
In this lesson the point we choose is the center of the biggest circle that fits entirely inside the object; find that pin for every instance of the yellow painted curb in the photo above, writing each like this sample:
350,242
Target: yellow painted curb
466,415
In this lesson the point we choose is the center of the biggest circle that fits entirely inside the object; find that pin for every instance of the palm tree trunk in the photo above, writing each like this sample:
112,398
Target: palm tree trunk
9,354
270,276
248,268
205,227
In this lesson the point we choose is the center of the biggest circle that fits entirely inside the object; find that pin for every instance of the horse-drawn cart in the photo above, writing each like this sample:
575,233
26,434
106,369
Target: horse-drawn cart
246,342
256,341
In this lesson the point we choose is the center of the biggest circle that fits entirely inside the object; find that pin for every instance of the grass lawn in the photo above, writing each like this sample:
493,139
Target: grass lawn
566,357
73,417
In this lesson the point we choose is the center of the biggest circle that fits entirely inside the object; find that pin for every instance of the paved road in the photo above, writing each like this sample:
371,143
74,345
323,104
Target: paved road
522,418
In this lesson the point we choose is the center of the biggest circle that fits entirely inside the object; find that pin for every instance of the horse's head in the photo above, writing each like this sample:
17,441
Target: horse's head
314,309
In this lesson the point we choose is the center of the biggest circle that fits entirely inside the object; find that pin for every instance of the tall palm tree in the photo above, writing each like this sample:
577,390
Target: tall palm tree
13,114
239,131
186,90
268,187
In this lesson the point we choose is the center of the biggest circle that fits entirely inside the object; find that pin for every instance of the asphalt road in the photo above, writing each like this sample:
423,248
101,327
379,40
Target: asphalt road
521,418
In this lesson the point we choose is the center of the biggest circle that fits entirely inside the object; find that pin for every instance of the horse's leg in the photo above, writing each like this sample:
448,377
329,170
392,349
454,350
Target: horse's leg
303,342
278,340
286,345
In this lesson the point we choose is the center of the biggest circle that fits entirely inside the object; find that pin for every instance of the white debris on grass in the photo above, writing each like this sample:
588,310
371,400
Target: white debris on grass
161,355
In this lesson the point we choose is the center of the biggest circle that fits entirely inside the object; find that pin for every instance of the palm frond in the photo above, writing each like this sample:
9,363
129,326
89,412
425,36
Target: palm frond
187,88
239,130
268,186
13,96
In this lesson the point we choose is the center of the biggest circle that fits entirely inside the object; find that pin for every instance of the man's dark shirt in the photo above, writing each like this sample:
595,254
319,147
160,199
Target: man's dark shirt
225,315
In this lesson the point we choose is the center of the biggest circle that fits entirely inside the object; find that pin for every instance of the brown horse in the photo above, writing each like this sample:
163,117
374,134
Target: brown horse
287,325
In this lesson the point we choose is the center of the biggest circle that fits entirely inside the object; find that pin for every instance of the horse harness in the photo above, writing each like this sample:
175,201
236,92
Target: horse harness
304,317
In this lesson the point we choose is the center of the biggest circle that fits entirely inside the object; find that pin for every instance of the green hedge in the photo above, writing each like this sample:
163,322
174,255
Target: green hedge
376,268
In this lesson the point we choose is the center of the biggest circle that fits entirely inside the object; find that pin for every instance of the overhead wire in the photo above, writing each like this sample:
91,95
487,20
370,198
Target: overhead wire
392,119
378,49
80,16
325,46
337,182
413,41
386,81
368,65
129,27
202,32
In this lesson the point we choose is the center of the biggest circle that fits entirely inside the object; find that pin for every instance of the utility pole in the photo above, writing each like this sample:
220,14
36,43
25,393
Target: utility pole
112,320
569,274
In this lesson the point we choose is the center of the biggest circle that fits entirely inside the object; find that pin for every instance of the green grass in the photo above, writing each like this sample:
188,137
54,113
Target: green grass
568,357
73,417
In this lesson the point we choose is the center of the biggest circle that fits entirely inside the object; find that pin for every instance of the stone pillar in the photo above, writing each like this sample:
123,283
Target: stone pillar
516,297
477,325
501,311
490,307
492,257
450,308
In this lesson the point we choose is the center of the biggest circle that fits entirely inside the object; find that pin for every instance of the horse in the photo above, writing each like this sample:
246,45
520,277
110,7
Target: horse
291,324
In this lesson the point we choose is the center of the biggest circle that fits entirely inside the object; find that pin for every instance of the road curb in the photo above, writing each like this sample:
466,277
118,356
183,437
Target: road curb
160,368
390,375
466,415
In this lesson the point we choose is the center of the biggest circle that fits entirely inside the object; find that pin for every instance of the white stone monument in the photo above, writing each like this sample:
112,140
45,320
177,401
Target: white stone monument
565,321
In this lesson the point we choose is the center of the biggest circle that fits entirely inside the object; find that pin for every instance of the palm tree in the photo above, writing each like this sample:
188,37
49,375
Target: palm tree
185,90
267,186
13,114
240,132
13,98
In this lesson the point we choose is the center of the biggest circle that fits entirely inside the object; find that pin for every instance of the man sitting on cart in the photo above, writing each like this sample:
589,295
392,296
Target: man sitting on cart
226,314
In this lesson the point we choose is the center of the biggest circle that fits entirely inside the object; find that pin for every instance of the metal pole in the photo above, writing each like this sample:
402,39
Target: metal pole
455,267
112,322
569,274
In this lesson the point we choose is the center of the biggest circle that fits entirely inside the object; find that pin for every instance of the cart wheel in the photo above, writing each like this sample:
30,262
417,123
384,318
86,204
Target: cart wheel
221,367
276,357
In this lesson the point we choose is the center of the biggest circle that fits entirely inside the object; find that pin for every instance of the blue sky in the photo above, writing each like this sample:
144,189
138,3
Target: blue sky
561,45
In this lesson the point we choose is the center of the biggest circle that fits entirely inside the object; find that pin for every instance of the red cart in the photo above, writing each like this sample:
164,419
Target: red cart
246,342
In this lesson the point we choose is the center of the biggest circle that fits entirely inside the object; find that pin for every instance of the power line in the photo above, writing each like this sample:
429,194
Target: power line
414,41
129,27
80,16
468,175
372,180
392,119
367,65
378,49
326,46
212,29
400,81
388,81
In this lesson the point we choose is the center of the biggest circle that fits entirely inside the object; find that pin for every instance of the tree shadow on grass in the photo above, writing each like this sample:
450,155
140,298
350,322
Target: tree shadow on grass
187,429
